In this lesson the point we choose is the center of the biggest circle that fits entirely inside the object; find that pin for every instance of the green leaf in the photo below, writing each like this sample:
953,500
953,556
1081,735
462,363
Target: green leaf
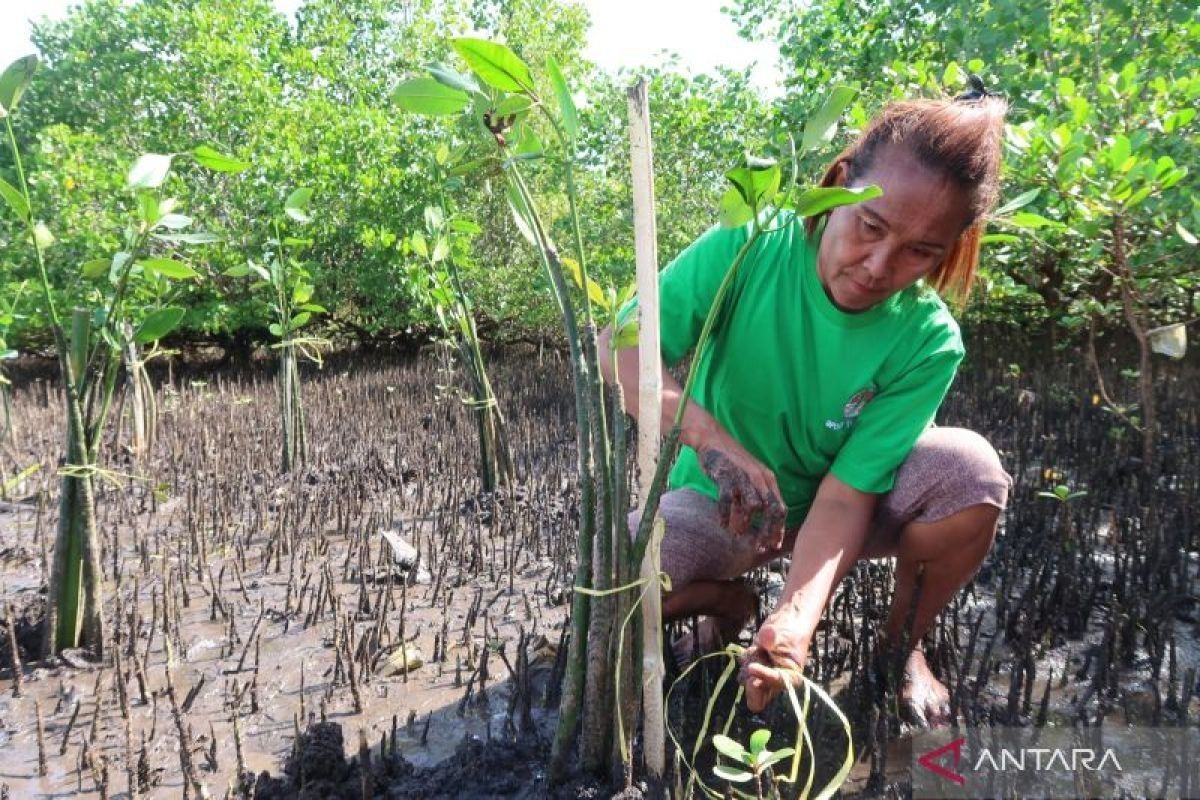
208,157
174,222
300,320
627,335
158,324
275,329
1137,197
1020,201
823,125
528,144
199,237
512,105
820,199
453,78
14,81
429,96
1173,177
728,747
1000,238
96,268
168,268
465,226
314,308
731,774
733,211
237,271
1118,151
419,245
259,270
767,759
1026,219
148,172
15,200
757,182
594,292
566,106
495,64
302,293
952,75
296,206
147,207
440,250
758,741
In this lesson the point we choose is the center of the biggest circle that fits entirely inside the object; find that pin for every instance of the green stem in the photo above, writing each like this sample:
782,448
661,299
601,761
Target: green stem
580,609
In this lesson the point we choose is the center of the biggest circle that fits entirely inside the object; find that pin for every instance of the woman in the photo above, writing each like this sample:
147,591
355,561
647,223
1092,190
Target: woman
809,428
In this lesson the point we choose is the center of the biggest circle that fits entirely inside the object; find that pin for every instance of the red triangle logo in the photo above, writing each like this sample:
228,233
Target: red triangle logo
929,760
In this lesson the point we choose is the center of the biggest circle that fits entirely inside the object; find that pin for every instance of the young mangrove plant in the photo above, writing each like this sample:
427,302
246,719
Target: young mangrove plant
444,246
750,764
128,301
501,102
290,287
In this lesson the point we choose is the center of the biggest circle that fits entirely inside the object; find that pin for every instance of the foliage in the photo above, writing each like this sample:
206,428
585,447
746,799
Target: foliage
310,102
1091,85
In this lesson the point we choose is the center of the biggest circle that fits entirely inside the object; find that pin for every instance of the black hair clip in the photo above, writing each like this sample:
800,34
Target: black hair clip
975,92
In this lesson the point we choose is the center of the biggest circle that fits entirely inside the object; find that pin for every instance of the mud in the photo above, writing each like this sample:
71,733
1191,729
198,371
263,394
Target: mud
276,601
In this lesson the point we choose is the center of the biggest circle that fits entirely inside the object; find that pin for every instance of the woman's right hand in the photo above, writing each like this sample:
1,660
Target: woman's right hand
746,487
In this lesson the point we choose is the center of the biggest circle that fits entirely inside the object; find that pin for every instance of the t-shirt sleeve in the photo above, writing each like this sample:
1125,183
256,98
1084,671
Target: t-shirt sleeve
890,424
687,287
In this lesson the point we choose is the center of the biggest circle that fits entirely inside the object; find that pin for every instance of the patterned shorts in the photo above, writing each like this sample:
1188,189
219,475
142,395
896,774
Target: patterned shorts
948,470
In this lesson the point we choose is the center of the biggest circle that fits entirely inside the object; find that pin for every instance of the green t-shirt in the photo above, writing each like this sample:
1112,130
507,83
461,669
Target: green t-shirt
805,387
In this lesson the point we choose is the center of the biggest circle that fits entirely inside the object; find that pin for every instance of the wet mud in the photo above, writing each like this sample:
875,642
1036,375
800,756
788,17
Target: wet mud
255,613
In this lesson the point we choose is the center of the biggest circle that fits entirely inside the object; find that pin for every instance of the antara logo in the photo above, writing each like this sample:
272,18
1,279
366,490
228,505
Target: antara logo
1038,759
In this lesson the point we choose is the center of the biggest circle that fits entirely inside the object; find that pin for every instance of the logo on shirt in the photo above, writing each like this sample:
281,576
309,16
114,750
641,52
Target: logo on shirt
854,405
852,409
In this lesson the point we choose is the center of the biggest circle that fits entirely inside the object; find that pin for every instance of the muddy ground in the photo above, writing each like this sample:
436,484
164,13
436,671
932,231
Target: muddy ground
280,606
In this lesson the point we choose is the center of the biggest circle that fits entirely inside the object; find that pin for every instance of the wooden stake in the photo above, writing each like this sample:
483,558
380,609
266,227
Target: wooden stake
649,417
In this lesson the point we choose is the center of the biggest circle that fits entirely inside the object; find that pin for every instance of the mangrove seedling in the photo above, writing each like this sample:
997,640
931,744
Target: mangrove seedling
129,297
444,245
751,764
290,298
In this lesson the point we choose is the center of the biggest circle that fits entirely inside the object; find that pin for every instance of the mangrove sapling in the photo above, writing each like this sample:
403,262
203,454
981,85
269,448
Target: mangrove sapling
292,307
499,107
128,298
444,245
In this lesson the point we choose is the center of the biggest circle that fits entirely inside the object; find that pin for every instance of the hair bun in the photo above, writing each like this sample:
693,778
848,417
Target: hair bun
975,92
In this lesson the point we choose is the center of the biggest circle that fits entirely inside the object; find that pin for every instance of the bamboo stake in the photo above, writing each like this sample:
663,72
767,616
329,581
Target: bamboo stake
649,417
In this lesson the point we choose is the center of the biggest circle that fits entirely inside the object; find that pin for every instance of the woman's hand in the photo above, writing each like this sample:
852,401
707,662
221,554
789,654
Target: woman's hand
776,657
746,487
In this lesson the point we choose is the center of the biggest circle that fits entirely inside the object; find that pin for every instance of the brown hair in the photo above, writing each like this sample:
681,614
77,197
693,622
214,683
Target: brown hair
960,139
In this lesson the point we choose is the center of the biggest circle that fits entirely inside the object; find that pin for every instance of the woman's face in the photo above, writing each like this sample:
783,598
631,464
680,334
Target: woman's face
874,249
